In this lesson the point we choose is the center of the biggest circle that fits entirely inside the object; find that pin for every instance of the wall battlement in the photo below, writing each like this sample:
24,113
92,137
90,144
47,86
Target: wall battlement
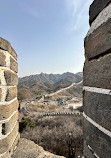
97,82
8,99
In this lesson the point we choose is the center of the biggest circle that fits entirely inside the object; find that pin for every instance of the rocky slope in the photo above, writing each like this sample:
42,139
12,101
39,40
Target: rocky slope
28,149
31,86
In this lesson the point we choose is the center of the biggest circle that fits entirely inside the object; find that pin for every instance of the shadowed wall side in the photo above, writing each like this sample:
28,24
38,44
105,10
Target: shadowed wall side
97,82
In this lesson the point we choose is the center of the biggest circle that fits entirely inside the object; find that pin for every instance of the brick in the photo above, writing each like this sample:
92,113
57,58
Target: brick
87,152
13,53
11,93
11,78
4,44
99,142
2,59
95,8
97,73
5,144
13,65
99,42
9,125
98,107
7,110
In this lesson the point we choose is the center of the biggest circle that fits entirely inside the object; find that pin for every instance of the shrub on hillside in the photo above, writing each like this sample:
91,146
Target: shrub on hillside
59,135
24,124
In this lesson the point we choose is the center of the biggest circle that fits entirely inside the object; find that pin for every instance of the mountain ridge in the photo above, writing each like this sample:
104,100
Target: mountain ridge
33,85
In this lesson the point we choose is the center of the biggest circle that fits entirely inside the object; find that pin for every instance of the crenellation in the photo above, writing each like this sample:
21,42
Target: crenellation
96,81
8,99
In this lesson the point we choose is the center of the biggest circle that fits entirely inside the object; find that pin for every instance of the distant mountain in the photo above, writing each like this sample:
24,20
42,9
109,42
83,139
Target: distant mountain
31,86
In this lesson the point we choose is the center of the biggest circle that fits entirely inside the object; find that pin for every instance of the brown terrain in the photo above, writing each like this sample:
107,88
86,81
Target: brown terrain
53,119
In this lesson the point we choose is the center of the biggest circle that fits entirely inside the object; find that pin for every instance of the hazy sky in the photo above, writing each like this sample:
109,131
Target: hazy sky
46,34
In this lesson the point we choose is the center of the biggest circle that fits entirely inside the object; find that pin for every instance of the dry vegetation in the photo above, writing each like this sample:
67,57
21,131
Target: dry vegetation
60,135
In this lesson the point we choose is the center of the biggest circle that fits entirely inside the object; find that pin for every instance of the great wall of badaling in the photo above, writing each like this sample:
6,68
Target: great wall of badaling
97,82
96,92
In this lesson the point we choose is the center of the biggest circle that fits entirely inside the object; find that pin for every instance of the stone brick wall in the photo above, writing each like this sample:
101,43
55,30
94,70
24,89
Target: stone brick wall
97,82
8,99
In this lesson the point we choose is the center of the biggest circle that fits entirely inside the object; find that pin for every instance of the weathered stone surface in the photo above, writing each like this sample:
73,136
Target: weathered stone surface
11,93
98,107
7,110
2,59
0,94
5,143
99,142
9,125
96,7
11,78
4,44
99,42
11,148
103,17
15,143
33,150
13,65
97,73
87,152
13,53
8,91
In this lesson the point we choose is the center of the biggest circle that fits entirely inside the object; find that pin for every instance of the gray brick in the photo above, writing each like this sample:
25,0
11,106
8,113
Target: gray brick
11,78
97,73
98,141
99,42
96,7
98,107
4,44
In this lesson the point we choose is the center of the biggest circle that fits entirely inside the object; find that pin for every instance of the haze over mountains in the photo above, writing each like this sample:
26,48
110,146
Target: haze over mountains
31,86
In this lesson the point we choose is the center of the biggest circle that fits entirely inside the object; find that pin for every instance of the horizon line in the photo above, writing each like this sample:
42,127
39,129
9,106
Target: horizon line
49,73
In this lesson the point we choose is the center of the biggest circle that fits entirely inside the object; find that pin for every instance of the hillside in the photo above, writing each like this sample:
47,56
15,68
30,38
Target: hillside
75,89
34,85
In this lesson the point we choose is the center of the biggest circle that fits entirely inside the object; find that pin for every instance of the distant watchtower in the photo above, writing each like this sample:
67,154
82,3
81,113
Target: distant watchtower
8,99
97,82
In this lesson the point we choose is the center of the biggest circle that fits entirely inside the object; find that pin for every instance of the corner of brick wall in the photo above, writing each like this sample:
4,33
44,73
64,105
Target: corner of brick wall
97,82
8,99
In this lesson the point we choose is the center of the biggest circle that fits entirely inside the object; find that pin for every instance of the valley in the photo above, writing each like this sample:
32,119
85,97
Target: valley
50,109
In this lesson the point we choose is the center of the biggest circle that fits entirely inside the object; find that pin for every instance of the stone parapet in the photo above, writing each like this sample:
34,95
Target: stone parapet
97,82
8,99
